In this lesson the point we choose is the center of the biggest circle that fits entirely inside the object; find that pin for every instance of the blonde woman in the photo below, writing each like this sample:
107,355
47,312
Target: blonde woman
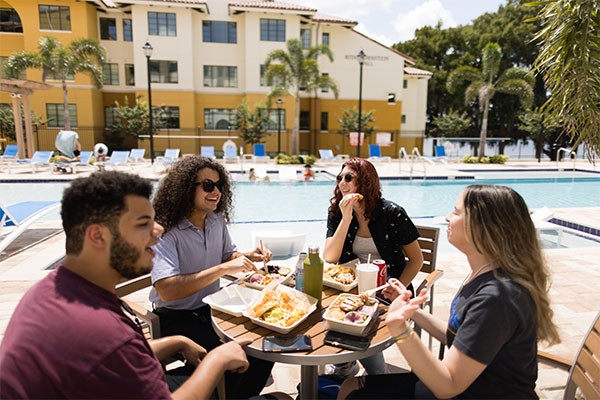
500,312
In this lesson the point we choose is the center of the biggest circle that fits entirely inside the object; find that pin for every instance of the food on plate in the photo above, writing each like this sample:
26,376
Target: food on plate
263,278
343,275
350,308
280,308
360,197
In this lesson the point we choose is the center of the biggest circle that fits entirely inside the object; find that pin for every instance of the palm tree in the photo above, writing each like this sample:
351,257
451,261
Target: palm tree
518,81
81,55
297,69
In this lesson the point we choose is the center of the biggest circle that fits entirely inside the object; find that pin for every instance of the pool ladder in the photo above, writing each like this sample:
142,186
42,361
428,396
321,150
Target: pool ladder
569,152
414,157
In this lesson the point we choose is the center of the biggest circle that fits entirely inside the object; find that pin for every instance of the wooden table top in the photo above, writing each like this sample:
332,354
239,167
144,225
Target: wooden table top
241,327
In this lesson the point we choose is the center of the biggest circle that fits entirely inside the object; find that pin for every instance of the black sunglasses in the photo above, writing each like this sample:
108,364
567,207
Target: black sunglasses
208,186
348,178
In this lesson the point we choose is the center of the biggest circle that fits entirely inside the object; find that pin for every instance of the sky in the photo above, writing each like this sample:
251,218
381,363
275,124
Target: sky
392,21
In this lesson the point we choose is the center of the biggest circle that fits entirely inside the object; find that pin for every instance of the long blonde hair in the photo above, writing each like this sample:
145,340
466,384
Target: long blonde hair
498,222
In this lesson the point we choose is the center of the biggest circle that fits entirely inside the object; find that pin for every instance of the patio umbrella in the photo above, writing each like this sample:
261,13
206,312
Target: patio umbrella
65,142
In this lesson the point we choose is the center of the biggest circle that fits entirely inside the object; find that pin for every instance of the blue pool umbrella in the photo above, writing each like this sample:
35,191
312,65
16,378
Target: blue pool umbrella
65,142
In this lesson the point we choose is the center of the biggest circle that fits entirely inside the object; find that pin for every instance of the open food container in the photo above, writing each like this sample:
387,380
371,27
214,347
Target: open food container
280,308
275,272
349,314
342,277
228,299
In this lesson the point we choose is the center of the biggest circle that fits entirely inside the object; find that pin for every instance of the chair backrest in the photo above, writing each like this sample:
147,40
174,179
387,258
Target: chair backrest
428,241
440,151
585,372
326,153
118,156
259,150
11,150
230,152
137,154
42,157
150,322
374,150
171,153
207,151
85,156
280,243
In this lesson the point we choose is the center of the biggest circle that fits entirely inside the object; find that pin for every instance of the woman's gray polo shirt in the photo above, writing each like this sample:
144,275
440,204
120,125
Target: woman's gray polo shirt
187,249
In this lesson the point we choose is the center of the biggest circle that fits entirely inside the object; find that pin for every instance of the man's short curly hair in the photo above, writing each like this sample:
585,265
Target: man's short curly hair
98,199
174,200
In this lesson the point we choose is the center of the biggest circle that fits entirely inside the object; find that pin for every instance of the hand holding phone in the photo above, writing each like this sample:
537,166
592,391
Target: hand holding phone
287,343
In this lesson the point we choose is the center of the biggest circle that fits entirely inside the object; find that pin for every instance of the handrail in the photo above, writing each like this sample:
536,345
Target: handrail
416,156
569,152
400,157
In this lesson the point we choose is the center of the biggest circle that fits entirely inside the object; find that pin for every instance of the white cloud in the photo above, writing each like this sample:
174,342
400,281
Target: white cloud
428,13
383,39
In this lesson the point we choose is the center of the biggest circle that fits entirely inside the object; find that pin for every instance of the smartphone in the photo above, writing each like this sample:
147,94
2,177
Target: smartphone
345,341
381,298
287,343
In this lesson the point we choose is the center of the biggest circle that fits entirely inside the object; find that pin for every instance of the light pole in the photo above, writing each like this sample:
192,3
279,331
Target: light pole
279,103
148,53
361,59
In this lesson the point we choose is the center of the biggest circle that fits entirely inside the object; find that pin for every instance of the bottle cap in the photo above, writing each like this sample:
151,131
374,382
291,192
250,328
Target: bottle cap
313,250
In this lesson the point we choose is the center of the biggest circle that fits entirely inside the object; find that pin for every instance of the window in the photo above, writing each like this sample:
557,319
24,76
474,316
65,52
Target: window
325,38
219,32
263,81
127,30
129,75
56,116
55,18
324,121
405,84
391,98
53,76
403,118
305,38
110,74
10,21
325,90
109,116
274,121
3,61
108,29
162,24
169,116
272,30
218,118
304,120
219,76
163,71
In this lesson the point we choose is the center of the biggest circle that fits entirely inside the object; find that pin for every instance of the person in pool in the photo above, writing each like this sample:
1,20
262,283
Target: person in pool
361,223
499,313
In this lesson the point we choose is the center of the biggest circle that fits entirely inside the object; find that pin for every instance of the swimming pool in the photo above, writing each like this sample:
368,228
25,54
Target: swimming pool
266,202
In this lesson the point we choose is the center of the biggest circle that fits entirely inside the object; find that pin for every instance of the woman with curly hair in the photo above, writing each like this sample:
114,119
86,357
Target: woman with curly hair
499,313
193,204
362,222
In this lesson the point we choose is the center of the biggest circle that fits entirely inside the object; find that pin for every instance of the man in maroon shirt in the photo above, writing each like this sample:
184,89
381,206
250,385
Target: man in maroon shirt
69,337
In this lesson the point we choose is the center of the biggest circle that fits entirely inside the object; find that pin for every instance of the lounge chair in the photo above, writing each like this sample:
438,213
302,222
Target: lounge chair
136,156
230,154
171,156
84,156
541,222
259,154
375,154
280,243
10,153
40,158
207,151
328,157
22,215
117,157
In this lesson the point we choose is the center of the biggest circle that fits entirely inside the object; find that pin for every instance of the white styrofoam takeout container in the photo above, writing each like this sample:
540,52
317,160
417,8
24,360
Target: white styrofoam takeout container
344,326
228,301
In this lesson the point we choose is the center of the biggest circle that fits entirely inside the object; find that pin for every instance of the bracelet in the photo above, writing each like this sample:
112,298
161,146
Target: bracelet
403,334
401,339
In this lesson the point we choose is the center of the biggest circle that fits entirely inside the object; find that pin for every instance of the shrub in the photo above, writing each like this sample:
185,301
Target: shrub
498,159
285,159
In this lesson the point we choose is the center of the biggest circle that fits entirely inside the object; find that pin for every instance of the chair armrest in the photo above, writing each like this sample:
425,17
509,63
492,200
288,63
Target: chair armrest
429,280
147,317
556,361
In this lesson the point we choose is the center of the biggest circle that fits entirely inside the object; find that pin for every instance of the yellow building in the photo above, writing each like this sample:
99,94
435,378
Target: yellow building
208,56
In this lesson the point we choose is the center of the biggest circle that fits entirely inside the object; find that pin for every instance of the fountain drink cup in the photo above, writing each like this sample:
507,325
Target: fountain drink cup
382,274
367,276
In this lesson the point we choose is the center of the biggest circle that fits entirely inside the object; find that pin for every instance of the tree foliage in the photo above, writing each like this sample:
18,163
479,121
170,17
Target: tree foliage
7,121
569,61
453,124
290,71
252,124
80,56
133,121
349,122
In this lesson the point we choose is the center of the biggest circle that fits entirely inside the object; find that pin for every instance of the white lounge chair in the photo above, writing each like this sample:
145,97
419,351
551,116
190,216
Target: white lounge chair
230,154
22,215
85,157
117,157
10,153
171,156
327,156
541,222
280,243
136,156
39,159
208,151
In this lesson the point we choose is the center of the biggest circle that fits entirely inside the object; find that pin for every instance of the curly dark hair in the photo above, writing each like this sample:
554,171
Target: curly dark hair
174,200
97,199
367,183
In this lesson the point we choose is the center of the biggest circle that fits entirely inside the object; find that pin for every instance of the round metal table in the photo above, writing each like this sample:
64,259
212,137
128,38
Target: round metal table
229,327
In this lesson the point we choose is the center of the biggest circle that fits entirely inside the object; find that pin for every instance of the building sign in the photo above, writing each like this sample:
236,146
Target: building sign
383,139
368,59
354,138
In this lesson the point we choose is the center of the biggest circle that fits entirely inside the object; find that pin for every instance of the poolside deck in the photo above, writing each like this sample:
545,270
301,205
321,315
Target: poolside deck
575,272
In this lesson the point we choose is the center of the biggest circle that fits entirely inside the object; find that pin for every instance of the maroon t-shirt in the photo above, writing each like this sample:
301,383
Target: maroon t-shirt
69,338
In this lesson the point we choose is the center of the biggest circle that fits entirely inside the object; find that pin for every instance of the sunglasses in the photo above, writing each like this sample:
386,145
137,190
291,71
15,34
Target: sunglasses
208,186
348,178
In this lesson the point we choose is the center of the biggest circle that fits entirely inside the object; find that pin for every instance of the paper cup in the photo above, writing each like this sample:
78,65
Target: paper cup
367,276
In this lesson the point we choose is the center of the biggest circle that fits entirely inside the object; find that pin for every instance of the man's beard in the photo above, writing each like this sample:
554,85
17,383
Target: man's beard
124,256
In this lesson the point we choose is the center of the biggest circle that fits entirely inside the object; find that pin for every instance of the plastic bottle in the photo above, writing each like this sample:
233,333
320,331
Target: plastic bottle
313,274
300,272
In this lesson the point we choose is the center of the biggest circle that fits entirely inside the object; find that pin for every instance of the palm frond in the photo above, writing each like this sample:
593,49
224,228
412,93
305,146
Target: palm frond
461,75
322,49
518,87
490,58
19,62
472,91
517,73
91,68
85,47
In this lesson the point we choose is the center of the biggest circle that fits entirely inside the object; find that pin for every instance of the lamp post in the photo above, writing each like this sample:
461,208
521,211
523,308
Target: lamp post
361,59
148,53
279,103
